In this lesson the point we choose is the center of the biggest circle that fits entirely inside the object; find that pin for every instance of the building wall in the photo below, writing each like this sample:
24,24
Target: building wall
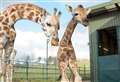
104,68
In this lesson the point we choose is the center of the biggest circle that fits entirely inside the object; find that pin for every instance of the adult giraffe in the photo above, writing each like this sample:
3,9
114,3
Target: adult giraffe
66,54
15,12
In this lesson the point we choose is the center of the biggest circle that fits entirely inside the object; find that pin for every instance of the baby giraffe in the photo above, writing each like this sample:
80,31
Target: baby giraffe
66,54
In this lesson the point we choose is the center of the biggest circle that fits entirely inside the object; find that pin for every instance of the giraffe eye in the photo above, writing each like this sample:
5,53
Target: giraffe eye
75,14
48,24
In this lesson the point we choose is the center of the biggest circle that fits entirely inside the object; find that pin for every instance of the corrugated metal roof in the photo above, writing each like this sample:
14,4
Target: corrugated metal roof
107,4
105,15
105,7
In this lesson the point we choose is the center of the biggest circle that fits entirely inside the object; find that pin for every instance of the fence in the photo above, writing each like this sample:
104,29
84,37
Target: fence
38,72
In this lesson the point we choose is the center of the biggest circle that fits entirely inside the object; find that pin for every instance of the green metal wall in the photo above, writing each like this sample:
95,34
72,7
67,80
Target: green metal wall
104,68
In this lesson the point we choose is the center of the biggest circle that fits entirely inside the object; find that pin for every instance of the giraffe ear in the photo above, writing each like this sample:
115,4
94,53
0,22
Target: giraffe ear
88,11
69,8
81,6
55,11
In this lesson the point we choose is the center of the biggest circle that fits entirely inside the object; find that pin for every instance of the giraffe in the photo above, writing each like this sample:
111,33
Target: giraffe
13,13
66,54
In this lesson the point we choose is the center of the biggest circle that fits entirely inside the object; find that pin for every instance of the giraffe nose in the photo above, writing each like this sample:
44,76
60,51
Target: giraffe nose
85,20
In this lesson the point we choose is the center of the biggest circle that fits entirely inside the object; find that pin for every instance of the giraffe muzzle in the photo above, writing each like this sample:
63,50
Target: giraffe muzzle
55,42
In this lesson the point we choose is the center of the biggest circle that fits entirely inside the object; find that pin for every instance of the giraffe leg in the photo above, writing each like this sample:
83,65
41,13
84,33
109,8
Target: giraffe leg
11,64
73,66
72,77
3,40
63,66
2,73
8,51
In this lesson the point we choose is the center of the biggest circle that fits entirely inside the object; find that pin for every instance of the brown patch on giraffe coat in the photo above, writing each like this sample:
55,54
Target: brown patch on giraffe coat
41,15
28,8
29,5
0,28
63,43
5,28
37,12
30,16
7,20
21,13
63,57
64,49
54,40
68,35
13,17
1,34
12,10
12,35
11,44
21,6
36,19
6,14
72,54
4,23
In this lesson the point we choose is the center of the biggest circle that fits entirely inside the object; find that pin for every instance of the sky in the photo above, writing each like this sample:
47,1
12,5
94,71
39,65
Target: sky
30,39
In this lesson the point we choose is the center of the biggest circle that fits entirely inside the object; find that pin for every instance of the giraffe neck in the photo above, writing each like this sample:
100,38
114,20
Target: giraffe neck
69,31
23,11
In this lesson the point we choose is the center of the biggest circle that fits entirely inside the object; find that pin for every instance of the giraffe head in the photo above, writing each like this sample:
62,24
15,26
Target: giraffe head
52,26
79,14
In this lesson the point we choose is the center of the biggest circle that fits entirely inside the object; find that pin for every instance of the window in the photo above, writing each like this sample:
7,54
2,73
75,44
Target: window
107,41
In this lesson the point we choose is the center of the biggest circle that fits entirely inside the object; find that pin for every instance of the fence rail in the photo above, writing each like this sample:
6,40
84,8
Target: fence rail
40,73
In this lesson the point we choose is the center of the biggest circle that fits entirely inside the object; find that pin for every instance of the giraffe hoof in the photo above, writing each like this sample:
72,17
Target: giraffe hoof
78,79
65,80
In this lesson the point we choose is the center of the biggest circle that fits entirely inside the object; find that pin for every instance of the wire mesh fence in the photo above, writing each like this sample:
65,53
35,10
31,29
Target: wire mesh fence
29,71
39,72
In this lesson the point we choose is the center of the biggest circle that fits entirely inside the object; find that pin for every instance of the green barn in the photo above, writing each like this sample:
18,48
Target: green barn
104,33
